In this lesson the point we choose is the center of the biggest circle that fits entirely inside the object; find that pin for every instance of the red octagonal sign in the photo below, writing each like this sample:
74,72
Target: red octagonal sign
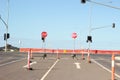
74,35
44,34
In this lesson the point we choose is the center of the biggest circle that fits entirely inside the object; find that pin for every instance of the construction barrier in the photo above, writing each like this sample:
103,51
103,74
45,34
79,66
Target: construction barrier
113,67
79,51
28,62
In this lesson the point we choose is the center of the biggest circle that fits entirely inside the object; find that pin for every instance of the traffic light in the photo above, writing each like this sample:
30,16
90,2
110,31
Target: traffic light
6,36
89,39
83,1
43,39
113,25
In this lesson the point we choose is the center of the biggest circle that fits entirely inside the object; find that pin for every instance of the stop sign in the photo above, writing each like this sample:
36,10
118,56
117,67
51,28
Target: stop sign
44,34
74,35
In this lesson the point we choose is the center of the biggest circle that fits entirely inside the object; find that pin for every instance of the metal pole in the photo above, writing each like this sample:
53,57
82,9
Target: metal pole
6,43
104,5
89,33
5,33
74,47
7,26
44,48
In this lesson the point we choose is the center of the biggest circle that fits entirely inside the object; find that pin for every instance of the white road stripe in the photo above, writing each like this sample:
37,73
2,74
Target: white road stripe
30,64
77,65
104,67
118,64
11,62
49,70
117,58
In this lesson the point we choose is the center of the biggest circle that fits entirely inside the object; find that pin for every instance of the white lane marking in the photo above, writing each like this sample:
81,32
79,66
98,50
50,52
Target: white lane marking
118,64
77,65
30,64
60,58
104,67
117,58
11,62
49,70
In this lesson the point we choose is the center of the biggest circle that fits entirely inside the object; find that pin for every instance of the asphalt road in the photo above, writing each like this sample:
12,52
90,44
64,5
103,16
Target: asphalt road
13,67
104,60
9,57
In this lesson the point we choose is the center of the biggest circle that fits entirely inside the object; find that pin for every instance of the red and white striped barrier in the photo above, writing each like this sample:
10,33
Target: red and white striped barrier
88,57
28,62
77,51
113,67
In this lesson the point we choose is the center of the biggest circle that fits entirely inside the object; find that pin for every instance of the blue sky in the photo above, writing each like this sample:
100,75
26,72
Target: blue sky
60,18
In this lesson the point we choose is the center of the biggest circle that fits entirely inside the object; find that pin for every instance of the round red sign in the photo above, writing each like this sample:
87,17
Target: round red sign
74,35
44,34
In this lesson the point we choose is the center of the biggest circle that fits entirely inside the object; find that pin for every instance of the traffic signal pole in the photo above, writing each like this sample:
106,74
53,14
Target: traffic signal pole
89,39
6,25
90,25
114,7
6,40
103,4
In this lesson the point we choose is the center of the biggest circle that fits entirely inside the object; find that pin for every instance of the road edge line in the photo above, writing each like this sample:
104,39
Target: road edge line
104,67
11,62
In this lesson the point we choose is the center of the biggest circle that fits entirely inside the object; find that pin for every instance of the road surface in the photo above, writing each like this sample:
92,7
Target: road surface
13,67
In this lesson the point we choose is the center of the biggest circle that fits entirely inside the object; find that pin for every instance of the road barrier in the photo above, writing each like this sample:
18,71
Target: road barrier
28,62
89,61
113,67
70,51
59,51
